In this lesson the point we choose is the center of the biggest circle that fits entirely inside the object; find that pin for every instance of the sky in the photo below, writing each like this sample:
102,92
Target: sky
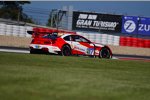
40,9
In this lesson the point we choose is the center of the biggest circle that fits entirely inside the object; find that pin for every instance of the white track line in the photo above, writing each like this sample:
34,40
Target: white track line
14,51
114,57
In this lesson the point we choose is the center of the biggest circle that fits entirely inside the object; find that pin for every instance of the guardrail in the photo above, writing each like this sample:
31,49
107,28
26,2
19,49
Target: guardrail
116,40
21,31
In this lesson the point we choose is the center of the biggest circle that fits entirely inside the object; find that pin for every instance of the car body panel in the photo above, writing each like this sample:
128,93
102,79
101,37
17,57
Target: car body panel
78,44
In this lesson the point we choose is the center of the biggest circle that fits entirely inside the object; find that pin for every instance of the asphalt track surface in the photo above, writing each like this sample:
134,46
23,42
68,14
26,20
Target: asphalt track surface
115,56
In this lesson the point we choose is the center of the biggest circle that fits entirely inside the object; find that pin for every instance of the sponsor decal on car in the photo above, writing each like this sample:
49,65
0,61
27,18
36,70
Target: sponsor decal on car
72,46
54,48
96,52
79,48
90,51
37,46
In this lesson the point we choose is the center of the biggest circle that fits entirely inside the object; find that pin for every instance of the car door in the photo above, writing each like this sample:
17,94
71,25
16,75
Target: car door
68,39
82,46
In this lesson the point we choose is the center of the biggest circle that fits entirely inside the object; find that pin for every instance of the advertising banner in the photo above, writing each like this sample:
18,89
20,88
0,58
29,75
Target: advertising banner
129,24
96,22
144,26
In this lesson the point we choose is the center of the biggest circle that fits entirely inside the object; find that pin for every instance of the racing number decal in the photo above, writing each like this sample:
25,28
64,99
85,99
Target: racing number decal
90,51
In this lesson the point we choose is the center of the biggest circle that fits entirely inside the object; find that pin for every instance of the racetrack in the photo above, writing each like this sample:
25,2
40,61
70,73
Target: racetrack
115,56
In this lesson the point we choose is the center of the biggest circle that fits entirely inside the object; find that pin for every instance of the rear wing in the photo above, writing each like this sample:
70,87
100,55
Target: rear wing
30,32
40,32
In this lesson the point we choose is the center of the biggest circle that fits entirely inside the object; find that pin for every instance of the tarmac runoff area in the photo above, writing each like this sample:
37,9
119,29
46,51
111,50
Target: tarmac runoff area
115,56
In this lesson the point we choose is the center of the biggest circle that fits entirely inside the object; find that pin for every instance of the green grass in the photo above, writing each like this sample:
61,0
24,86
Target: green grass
48,77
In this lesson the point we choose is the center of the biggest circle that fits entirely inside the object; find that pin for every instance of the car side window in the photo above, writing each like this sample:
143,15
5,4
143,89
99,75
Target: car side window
83,39
67,38
79,39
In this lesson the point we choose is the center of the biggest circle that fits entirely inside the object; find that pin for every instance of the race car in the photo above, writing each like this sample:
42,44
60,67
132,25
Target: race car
69,44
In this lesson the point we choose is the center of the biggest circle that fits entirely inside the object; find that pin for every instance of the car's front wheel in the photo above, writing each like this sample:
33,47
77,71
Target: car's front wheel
104,53
66,50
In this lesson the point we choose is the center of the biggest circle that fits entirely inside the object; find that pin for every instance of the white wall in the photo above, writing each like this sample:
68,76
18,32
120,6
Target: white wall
101,38
14,30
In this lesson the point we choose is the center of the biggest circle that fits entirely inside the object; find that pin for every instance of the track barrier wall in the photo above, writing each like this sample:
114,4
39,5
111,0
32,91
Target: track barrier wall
134,42
14,30
21,31
117,40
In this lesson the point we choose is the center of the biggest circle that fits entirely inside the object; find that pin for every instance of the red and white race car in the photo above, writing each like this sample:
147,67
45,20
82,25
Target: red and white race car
69,44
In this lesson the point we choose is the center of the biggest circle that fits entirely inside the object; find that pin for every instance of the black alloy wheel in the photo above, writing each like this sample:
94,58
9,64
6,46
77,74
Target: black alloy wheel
104,53
66,50
32,51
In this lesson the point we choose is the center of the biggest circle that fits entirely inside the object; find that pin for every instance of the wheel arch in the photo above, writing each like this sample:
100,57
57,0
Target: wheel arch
62,48
110,51
66,44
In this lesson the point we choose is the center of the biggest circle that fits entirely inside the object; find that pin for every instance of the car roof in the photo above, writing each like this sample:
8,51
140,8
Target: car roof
67,35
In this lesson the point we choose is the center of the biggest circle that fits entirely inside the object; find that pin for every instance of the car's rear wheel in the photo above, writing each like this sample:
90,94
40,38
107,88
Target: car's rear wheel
66,50
32,51
104,53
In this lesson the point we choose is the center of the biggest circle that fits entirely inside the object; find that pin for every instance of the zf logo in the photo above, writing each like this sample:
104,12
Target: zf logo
129,26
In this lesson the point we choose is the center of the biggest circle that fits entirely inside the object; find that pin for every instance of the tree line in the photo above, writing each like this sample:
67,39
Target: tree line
13,10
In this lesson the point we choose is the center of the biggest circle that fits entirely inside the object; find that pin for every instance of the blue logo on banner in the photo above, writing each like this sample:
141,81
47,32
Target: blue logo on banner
129,24
144,26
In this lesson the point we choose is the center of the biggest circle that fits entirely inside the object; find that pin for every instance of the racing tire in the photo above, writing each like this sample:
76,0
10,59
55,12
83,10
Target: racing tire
32,51
105,53
66,50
